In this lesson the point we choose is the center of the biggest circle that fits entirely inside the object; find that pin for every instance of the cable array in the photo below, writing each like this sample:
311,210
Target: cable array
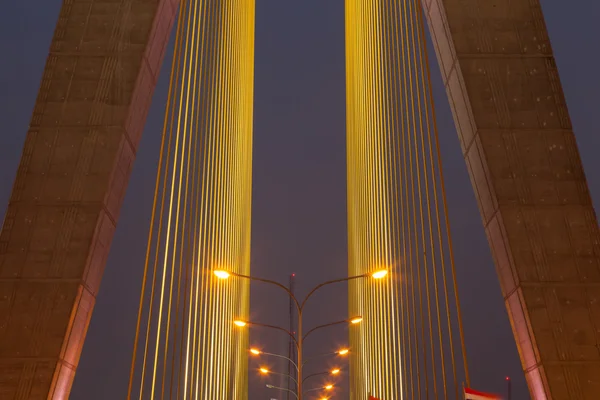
186,346
410,345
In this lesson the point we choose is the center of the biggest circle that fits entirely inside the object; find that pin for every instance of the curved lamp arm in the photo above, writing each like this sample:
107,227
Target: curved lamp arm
280,356
270,282
284,375
329,283
324,326
319,356
313,375
275,327
315,389
284,389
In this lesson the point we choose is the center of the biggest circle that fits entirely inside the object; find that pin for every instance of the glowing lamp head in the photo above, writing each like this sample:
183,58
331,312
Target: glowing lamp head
222,274
240,323
256,352
356,320
335,371
328,387
264,371
343,352
379,274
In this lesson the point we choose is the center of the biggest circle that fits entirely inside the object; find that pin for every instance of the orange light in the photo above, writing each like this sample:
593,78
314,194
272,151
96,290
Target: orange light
264,371
222,274
356,320
240,323
343,352
256,352
335,371
379,274
329,387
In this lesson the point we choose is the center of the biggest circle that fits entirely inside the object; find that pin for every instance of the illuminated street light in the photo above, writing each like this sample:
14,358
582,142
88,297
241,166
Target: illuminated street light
297,336
222,274
266,371
379,274
327,387
332,372
354,320
240,323
258,352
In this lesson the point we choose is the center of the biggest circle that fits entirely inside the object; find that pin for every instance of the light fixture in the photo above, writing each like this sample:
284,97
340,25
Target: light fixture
240,323
335,371
222,274
328,387
356,320
255,351
264,371
379,274
343,352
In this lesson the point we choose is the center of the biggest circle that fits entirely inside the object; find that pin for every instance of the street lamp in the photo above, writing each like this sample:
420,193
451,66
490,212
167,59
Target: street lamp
333,372
258,352
326,387
353,321
299,339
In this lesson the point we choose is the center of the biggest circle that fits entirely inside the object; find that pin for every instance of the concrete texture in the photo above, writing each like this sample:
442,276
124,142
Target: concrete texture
519,147
90,111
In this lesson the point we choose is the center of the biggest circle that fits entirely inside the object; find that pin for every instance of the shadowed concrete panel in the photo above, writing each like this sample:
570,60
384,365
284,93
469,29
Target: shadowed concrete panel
517,140
88,118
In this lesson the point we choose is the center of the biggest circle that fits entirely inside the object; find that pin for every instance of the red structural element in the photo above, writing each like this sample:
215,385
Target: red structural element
471,394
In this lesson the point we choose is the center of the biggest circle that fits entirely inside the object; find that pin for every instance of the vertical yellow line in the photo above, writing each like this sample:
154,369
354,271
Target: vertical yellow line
207,320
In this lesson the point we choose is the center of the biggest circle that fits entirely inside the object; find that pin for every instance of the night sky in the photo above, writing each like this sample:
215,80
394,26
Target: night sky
299,199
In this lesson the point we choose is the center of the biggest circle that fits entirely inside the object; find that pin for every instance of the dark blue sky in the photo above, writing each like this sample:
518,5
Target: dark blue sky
299,213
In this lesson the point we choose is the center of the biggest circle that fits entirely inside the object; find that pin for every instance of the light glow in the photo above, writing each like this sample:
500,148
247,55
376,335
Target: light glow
222,274
343,352
264,371
256,352
328,387
356,320
335,371
240,323
379,274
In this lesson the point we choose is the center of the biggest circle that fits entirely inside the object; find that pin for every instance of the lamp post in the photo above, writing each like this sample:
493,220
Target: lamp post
258,352
299,338
333,372
326,387
341,352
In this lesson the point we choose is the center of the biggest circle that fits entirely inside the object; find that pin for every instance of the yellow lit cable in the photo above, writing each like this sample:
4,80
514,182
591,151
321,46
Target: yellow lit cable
397,215
200,217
